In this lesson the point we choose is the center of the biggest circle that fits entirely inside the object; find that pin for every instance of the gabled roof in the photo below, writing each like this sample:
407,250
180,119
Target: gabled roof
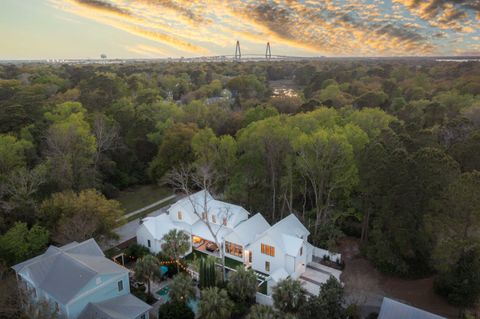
160,225
248,230
200,229
198,201
122,307
287,233
392,309
63,272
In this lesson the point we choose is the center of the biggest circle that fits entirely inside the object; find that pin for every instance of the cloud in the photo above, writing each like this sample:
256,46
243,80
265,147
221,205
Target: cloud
346,27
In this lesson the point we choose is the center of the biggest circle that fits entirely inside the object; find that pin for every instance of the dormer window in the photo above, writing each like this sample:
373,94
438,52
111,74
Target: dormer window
179,215
224,221
214,219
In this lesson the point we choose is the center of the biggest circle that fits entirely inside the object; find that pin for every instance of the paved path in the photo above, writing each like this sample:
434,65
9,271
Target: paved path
163,200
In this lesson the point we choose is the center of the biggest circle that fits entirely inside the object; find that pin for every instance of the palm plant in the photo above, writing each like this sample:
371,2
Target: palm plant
175,244
242,285
215,304
289,295
146,269
182,288
262,312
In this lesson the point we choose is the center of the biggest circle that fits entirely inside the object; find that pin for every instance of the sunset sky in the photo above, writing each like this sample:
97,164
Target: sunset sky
36,29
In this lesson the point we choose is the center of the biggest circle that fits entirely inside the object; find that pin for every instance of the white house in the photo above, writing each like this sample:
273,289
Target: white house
191,215
277,251
281,247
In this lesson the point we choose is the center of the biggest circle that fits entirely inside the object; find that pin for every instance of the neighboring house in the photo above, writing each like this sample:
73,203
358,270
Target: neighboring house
78,277
277,251
392,309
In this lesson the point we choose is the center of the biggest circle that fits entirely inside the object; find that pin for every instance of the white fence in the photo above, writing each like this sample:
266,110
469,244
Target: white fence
263,299
320,253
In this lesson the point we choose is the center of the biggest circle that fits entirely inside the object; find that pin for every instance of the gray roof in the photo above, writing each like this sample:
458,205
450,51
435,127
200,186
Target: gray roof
392,309
122,307
63,272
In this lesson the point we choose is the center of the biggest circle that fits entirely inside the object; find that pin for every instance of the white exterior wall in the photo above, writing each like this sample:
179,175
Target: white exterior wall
143,236
259,259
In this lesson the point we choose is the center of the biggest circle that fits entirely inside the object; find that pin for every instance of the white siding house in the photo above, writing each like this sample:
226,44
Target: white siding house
277,251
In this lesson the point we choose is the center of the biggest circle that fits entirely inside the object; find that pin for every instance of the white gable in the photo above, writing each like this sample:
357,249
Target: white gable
247,231
160,225
196,204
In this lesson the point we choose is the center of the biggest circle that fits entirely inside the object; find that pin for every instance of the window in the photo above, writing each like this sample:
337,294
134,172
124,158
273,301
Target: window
267,266
179,215
34,293
214,219
224,221
204,216
148,243
57,307
143,316
120,285
268,250
250,253
301,250
233,249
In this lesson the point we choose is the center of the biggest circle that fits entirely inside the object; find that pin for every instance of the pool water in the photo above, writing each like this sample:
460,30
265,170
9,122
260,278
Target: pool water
192,303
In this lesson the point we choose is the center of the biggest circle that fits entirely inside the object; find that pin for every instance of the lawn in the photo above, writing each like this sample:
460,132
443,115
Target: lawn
229,262
137,197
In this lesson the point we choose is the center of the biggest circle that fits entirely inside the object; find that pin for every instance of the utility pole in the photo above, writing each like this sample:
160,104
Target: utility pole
268,52
238,53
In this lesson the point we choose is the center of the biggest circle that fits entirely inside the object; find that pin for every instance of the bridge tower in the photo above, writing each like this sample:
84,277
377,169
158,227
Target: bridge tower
238,53
268,52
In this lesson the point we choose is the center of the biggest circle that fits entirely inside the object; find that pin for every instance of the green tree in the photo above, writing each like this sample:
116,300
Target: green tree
20,243
258,113
182,288
147,269
455,220
326,160
242,285
12,153
70,216
175,310
175,149
207,272
262,312
289,296
214,304
71,147
327,305
175,244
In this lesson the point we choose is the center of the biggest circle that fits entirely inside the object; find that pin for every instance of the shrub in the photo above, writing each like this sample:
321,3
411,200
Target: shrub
175,310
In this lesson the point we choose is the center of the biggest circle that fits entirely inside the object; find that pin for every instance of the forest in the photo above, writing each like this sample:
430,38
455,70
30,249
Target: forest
387,151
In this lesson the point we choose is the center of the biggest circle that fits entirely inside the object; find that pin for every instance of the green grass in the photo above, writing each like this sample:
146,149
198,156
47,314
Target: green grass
263,288
232,263
136,197
229,262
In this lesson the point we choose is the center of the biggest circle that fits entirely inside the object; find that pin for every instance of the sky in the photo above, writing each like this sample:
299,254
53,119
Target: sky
49,29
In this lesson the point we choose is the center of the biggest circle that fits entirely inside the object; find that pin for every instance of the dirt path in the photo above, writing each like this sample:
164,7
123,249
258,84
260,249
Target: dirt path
366,286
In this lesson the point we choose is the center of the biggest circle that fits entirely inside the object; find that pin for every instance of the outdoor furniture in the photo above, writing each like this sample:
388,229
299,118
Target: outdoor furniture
211,247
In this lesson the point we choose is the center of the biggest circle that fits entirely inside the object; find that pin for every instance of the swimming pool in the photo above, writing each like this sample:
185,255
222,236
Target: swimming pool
164,293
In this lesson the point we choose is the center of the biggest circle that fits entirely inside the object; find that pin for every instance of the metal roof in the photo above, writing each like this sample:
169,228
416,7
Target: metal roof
122,307
392,309
63,272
